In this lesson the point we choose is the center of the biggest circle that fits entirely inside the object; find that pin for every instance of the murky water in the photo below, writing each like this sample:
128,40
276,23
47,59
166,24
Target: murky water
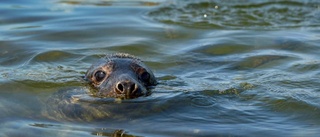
225,68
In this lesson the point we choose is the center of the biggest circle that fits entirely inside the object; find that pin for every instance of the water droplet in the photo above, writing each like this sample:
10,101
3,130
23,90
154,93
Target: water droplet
205,15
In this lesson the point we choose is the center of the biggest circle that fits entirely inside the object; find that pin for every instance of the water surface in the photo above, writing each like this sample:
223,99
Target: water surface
228,68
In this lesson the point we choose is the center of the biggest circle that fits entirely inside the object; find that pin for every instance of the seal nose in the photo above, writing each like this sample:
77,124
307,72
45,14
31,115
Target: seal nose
126,87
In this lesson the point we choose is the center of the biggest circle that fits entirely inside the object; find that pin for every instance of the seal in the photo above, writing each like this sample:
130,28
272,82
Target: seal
120,75
110,80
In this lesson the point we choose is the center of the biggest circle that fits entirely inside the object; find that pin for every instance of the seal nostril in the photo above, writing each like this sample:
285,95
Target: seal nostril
126,87
133,88
120,87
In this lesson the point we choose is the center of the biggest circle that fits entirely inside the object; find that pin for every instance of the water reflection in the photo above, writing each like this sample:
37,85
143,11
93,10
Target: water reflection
251,14
45,129
248,67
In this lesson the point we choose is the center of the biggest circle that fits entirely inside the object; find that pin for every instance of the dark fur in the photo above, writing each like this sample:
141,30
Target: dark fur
121,68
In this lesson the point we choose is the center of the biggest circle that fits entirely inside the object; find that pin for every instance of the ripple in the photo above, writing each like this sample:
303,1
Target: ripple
240,15
77,104
224,49
108,3
306,66
39,128
202,101
52,55
256,61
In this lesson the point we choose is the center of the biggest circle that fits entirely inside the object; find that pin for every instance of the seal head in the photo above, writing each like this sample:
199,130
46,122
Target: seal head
120,75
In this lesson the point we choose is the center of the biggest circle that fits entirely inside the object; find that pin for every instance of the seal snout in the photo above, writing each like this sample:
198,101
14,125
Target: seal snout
126,87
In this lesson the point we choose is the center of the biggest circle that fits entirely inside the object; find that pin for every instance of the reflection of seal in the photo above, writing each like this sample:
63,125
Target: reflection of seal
120,75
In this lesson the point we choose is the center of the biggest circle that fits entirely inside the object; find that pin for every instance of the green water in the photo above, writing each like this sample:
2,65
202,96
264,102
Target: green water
225,68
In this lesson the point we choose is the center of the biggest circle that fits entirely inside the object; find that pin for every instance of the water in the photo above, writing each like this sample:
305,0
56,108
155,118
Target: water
225,68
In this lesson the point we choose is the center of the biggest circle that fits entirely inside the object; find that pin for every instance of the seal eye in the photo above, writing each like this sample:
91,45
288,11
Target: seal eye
145,76
100,75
